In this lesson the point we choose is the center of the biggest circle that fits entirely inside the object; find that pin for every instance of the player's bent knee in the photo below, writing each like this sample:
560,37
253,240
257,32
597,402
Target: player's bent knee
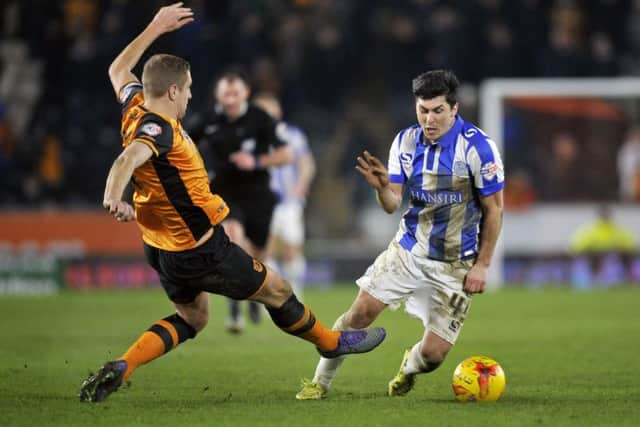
275,292
198,321
196,318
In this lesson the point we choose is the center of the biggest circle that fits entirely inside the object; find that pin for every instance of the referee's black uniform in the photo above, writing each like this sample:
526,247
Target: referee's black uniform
247,193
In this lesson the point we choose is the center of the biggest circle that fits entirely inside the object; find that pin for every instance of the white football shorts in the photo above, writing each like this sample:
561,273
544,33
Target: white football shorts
287,223
430,290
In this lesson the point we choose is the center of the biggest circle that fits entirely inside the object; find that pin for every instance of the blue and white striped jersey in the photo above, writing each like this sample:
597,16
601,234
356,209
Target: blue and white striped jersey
284,178
445,181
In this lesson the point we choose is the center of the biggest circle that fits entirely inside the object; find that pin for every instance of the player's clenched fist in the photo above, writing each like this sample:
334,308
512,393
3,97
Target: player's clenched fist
122,211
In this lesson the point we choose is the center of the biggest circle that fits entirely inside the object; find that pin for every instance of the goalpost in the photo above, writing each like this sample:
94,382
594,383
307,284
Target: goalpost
495,92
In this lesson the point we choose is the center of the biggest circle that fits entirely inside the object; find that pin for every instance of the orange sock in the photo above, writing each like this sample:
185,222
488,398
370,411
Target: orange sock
146,348
297,319
325,339
160,338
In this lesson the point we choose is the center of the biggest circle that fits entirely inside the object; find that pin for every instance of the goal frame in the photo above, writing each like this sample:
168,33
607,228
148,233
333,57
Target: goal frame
493,93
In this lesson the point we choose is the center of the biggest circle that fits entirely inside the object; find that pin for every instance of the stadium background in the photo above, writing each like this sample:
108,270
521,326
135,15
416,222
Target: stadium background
343,71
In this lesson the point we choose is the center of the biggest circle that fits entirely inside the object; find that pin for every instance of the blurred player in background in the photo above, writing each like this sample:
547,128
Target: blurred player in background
291,184
179,218
441,253
239,144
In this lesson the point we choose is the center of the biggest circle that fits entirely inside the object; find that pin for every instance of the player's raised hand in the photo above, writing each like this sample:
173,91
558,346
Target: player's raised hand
122,211
172,17
373,170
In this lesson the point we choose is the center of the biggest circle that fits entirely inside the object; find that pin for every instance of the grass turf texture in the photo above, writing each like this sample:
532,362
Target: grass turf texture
570,360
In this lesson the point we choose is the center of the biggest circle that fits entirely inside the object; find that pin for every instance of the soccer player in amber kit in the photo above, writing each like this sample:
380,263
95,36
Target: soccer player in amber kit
180,219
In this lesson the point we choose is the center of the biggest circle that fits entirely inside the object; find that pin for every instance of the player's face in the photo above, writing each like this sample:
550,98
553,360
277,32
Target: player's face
232,95
184,95
435,116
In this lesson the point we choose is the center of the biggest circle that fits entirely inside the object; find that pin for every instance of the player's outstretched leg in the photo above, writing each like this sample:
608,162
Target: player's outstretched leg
160,338
297,319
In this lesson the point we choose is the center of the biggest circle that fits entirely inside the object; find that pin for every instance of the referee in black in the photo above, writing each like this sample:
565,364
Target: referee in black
239,143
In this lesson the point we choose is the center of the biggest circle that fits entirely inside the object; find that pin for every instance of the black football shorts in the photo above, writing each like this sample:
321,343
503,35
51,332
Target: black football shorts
219,266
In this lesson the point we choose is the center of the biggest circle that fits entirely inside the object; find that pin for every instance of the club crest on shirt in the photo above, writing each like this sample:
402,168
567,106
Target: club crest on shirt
460,168
151,129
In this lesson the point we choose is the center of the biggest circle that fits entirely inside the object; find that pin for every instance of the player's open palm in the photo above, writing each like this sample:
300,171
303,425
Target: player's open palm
172,17
373,170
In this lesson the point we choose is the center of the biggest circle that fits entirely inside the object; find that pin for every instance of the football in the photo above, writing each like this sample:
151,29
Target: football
478,378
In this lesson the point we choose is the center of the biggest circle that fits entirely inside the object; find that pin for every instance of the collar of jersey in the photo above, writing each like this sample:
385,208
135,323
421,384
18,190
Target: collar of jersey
452,134
167,118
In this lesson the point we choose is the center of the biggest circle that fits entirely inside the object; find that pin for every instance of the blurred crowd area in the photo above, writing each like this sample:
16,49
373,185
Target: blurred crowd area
342,69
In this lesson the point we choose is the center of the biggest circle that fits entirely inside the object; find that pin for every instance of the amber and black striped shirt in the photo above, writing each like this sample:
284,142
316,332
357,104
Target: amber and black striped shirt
173,202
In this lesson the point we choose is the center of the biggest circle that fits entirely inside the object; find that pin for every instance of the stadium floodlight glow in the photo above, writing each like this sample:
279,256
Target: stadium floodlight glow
494,92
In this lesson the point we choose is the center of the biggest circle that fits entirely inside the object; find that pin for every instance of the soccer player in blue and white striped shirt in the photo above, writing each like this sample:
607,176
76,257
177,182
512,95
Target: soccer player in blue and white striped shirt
441,254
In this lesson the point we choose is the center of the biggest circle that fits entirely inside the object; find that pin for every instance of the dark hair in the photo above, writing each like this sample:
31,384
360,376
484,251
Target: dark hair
233,73
161,71
436,83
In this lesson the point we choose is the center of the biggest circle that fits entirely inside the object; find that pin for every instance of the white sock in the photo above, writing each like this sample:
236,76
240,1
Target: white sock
415,363
328,368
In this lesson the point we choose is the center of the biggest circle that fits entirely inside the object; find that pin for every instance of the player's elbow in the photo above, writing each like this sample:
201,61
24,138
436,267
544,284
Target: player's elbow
113,71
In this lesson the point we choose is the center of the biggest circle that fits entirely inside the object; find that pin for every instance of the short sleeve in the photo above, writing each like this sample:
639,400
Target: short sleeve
486,166
394,167
128,92
156,133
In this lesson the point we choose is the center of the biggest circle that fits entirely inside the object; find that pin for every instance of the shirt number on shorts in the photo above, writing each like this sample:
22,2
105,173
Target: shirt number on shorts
459,308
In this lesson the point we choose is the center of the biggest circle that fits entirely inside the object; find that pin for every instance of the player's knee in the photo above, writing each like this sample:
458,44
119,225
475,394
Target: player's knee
198,319
282,289
276,292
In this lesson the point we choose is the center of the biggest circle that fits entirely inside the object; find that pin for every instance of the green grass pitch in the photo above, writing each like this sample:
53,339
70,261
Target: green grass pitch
571,359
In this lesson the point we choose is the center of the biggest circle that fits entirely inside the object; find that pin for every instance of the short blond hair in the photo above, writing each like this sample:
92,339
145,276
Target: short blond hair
161,71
